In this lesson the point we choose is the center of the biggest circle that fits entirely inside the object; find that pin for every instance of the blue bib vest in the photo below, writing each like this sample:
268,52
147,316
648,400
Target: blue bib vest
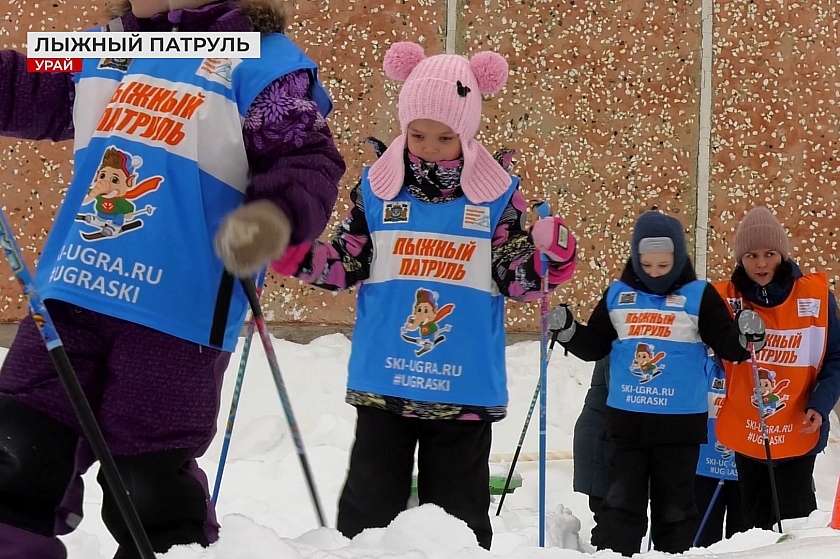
430,321
657,361
716,460
159,161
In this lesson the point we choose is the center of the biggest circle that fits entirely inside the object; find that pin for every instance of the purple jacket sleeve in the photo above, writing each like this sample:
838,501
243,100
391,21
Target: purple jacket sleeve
345,260
293,158
34,106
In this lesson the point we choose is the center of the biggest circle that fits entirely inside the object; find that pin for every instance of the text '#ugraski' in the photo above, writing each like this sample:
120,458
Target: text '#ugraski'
776,434
422,383
649,395
425,368
95,270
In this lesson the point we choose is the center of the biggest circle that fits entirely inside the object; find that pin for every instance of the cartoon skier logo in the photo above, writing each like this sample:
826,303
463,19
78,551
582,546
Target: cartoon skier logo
771,392
646,364
112,191
425,320
724,452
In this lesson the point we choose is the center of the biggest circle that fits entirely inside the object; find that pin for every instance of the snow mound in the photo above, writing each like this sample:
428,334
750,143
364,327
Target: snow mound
563,529
516,529
428,529
425,532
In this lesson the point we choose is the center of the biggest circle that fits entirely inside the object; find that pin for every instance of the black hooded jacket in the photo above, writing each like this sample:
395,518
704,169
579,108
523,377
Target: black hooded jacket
593,341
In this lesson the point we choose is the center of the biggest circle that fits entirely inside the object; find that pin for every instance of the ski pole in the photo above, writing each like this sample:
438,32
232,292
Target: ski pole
650,524
234,405
250,288
708,512
543,394
766,438
77,397
544,211
524,429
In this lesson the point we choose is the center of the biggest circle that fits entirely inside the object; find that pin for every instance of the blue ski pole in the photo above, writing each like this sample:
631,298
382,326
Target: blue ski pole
234,406
77,397
543,210
524,429
250,288
708,512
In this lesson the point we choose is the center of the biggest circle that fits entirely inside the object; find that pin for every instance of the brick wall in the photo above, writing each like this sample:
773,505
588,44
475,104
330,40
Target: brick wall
605,104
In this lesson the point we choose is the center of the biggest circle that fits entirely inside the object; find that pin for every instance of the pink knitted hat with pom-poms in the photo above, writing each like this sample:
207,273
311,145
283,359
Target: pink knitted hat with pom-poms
446,88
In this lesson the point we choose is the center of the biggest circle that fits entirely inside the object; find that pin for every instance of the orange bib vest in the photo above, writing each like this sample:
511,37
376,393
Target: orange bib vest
797,331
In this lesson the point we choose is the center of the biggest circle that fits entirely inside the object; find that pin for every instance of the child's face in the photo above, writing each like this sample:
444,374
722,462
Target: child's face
761,265
433,141
656,264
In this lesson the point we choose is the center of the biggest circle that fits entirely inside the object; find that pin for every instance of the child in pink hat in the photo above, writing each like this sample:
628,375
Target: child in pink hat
435,238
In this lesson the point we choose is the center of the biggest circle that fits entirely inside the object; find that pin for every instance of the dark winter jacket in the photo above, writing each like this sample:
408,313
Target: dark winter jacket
717,329
827,388
592,450
593,341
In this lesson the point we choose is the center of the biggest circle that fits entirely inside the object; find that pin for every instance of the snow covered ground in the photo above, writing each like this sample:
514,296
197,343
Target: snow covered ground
265,509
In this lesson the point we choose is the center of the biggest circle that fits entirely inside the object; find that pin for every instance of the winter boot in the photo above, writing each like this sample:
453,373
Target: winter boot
171,502
36,465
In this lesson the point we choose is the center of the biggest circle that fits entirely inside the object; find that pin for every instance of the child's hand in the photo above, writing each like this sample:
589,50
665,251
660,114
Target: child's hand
290,262
551,237
251,236
561,321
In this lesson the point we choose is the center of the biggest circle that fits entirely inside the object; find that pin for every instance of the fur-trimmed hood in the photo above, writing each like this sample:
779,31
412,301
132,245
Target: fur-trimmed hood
265,16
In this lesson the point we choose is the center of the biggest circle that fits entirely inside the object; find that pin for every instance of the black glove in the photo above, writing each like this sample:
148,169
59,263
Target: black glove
752,329
561,322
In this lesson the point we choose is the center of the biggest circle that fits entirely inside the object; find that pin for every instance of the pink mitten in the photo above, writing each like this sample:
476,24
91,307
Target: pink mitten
553,238
288,264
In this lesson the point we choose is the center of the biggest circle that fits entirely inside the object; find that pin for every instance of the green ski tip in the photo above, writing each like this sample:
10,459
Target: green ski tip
497,484
784,538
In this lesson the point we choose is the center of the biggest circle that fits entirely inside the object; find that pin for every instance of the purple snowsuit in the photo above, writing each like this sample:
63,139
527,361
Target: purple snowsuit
155,396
